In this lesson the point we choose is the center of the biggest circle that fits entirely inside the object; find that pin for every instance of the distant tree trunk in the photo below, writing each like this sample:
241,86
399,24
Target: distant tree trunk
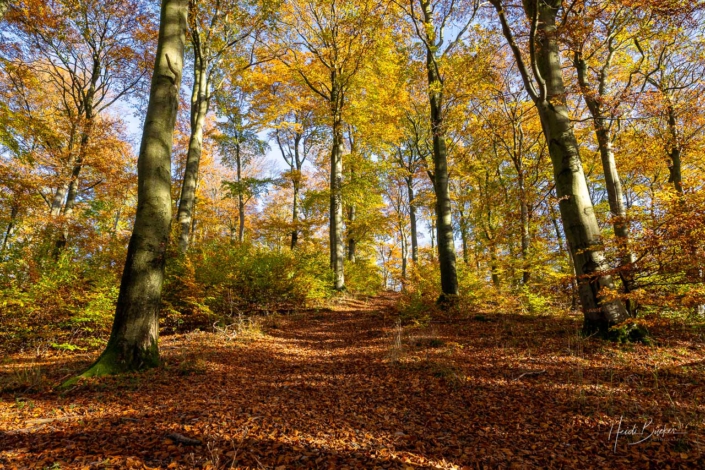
352,243
494,264
433,239
337,238
577,211
14,210
494,267
412,220
352,210
133,343
444,218
240,195
85,138
464,237
72,188
295,216
116,224
404,252
674,153
525,235
57,203
199,109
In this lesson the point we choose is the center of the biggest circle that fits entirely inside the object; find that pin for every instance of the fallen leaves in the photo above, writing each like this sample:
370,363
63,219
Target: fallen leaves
325,393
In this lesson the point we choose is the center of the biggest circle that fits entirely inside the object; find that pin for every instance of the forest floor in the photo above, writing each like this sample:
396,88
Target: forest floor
350,387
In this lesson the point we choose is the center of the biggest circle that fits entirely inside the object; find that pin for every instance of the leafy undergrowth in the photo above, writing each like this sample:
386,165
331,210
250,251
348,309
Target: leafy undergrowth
352,387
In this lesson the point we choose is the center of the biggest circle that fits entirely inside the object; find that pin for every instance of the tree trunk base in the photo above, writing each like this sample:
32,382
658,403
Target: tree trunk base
113,362
626,333
447,301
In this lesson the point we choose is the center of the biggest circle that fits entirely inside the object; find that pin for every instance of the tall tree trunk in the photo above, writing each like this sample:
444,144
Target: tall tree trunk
674,153
352,243
525,236
444,218
404,252
464,237
199,110
72,190
615,194
133,343
577,211
412,220
337,238
295,216
240,196
433,239
72,193
57,201
494,266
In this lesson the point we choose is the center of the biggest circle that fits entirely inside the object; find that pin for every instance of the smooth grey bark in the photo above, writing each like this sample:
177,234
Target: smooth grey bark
295,158
594,98
515,150
525,235
412,220
463,223
444,218
133,343
352,210
209,52
433,238
404,251
200,100
297,163
337,236
295,215
352,243
674,152
577,212
518,160
240,195
410,166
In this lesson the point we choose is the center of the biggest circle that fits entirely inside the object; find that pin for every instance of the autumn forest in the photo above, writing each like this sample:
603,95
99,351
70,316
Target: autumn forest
277,234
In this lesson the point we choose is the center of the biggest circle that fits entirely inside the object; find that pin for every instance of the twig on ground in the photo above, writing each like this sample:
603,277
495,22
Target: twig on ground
528,374
179,439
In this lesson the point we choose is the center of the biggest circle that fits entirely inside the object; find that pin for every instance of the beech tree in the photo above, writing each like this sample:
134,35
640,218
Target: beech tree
133,343
239,146
327,43
296,136
544,82
220,33
430,21
94,57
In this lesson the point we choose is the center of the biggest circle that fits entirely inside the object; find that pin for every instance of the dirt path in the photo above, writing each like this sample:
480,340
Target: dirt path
346,388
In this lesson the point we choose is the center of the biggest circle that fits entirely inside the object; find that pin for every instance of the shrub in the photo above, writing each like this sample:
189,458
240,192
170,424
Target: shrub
221,280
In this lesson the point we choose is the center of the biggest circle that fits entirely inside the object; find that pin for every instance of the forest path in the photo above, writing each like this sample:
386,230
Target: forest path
346,387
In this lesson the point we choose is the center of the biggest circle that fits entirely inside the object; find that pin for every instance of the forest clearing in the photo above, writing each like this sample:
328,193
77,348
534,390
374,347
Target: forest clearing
274,234
347,387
